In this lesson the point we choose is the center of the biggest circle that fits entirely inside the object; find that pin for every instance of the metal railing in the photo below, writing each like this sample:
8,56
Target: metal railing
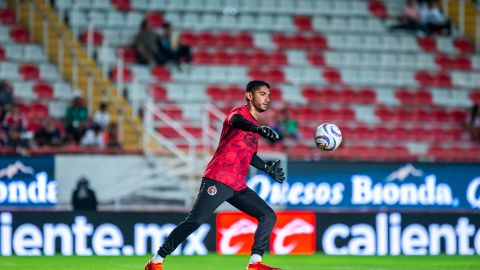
150,125
79,65
462,18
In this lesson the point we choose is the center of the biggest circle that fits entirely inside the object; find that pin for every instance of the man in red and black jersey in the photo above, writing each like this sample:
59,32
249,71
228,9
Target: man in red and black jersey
225,178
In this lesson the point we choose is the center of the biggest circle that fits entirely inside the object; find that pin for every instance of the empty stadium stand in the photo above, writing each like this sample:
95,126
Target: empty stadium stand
395,96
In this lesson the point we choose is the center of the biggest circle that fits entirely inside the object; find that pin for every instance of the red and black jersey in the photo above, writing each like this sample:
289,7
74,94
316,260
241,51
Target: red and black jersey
230,162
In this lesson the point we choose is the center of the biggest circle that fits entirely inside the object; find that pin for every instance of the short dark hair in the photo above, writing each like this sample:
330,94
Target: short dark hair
254,85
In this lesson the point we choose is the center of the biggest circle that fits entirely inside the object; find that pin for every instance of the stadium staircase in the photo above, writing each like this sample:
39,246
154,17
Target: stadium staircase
86,70
470,13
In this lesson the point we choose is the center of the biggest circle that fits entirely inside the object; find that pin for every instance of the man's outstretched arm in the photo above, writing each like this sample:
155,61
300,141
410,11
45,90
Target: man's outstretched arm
271,168
238,121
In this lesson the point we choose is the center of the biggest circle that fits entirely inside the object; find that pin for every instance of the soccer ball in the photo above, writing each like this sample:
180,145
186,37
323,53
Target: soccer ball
327,137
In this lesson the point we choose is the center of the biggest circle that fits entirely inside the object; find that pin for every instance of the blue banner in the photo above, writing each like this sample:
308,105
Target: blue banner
27,181
369,185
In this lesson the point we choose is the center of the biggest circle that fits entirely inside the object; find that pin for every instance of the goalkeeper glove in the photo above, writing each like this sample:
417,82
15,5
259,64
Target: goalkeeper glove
267,132
273,169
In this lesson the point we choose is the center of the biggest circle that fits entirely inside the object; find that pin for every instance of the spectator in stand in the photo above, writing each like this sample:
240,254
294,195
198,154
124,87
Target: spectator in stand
14,125
48,134
76,120
93,137
473,122
147,46
289,126
410,19
102,117
15,118
433,18
111,136
6,98
174,48
83,197
17,140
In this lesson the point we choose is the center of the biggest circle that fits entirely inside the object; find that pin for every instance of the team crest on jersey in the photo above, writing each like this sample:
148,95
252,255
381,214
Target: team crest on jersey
212,190
250,140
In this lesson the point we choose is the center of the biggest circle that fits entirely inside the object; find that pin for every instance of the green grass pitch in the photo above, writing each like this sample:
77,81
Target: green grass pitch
216,262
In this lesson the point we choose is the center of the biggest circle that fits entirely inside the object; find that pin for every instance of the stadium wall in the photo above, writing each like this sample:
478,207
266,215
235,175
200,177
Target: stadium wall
305,232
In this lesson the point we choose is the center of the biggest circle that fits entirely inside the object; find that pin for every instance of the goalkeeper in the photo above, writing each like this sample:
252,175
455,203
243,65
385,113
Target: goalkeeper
225,178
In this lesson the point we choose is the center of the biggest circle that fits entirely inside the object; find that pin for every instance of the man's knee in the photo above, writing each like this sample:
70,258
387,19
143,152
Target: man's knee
270,217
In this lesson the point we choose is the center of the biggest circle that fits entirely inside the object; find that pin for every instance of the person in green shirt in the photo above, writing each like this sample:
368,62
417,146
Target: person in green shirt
289,126
76,120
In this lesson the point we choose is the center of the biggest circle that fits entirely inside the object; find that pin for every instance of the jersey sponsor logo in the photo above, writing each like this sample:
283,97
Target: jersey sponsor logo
294,233
212,190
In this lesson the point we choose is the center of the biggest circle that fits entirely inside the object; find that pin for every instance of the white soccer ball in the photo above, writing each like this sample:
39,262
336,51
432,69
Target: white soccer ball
328,137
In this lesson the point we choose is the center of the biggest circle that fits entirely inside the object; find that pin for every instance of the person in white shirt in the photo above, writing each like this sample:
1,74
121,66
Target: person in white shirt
434,19
93,137
102,117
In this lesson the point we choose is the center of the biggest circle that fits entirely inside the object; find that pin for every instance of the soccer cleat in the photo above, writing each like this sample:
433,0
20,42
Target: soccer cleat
153,266
260,266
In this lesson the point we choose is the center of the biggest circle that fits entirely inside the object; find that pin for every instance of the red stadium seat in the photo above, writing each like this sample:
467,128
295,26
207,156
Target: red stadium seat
19,34
29,72
462,63
463,45
427,44
244,40
201,56
332,76
232,92
377,9
215,92
126,73
194,131
424,78
221,57
281,40
303,23
366,96
475,96
122,5
2,53
155,19
173,111
226,40
168,132
298,41
38,110
277,58
158,92
276,94
318,42
97,38
275,75
241,57
43,90
127,54
7,16
443,80
161,73
316,59
206,39
188,38
257,74
258,57
443,61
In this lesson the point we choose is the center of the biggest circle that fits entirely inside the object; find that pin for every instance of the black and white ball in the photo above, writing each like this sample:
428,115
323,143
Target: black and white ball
328,137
